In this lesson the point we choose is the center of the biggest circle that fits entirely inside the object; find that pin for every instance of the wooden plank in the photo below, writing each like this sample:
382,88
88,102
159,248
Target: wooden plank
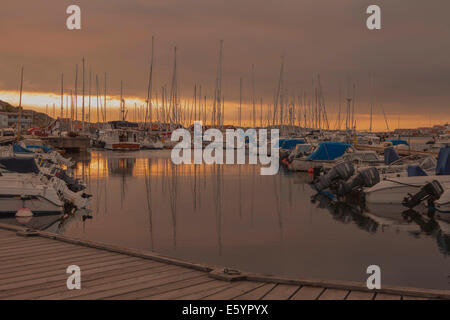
23,276
39,279
132,287
257,293
37,252
234,291
15,240
37,263
334,294
121,272
281,292
413,298
8,235
360,295
31,261
42,289
307,293
386,296
178,289
124,286
25,246
202,294
101,256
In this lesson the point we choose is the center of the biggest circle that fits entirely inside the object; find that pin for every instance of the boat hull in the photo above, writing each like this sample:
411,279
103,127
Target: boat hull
9,204
125,146
305,165
394,191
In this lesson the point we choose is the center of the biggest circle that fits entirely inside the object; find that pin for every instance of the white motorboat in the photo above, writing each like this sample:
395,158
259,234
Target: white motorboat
26,189
394,190
443,205
328,154
152,143
119,139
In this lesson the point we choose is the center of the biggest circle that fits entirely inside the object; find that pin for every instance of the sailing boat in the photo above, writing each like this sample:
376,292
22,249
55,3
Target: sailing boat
22,187
120,135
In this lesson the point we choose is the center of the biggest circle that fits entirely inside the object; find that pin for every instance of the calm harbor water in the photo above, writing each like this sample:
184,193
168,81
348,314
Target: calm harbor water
230,215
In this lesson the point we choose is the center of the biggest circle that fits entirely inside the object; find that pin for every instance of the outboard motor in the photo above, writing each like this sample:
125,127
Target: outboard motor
430,192
340,172
364,179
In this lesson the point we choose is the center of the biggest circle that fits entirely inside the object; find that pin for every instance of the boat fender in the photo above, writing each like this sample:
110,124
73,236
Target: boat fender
24,212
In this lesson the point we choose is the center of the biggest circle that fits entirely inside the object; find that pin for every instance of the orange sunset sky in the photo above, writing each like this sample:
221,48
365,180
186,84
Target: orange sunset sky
408,59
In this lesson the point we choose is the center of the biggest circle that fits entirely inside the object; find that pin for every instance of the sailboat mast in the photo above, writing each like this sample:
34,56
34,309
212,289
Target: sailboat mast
149,89
96,87
371,103
89,110
76,91
121,100
253,97
19,118
104,101
240,102
82,102
62,95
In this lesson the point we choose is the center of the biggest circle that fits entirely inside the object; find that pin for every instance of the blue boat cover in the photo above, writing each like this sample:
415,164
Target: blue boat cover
17,148
43,147
416,171
390,155
328,151
19,165
396,142
289,144
443,162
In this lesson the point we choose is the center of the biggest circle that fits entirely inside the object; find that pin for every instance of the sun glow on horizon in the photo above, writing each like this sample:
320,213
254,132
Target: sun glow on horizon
50,103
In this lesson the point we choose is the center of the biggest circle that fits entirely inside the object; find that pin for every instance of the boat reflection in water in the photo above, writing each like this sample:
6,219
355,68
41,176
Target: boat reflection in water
230,215
380,217
51,223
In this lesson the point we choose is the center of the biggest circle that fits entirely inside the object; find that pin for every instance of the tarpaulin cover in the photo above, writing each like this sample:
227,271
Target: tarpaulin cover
390,155
328,151
43,147
17,148
443,163
396,142
19,165
289,144
416,171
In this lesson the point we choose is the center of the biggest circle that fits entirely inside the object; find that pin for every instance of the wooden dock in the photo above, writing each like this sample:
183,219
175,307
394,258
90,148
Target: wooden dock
401,152
71,144
33,266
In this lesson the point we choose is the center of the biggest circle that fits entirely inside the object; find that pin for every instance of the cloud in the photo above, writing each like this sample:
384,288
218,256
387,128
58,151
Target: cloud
408,57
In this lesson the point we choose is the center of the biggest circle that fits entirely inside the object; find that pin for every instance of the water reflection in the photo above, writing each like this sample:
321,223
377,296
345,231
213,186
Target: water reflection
52,223
230,215
382,217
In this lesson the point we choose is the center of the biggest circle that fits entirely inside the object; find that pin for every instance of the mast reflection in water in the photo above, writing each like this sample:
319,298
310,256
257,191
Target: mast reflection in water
229,215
